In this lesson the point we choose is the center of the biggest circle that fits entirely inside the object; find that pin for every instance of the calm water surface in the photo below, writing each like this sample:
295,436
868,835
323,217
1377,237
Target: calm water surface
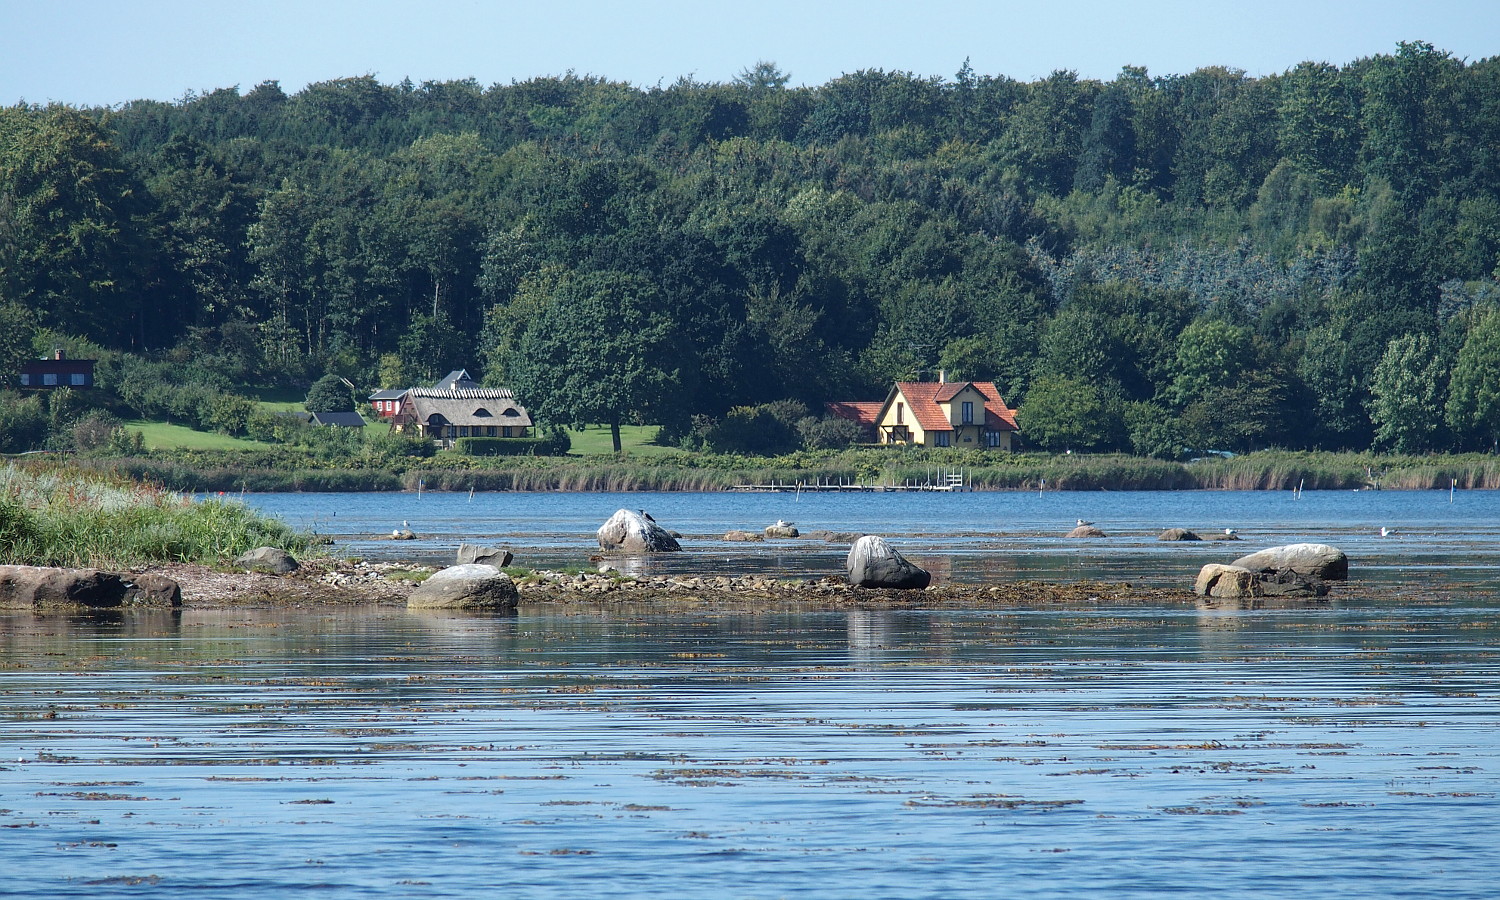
1344,750
970,538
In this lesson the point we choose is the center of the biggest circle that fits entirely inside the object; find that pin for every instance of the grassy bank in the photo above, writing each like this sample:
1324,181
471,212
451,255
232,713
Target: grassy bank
233,472
54,516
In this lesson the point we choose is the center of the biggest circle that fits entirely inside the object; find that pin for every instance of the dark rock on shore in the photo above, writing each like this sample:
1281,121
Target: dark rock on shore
40,587
873,562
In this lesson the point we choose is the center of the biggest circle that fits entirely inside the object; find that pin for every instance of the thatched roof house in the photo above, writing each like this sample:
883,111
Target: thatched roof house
468,412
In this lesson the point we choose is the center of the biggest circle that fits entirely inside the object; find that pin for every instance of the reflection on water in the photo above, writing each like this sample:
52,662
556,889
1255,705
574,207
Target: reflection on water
1348,750
967,538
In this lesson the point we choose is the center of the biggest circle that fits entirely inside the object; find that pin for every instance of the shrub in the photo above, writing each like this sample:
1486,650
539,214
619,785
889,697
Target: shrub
548,445
23,423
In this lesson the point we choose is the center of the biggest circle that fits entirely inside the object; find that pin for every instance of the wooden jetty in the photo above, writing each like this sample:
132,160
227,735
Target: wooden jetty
951,482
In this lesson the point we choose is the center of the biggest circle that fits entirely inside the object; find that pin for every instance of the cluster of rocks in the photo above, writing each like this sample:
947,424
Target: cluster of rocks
1293,570
611,582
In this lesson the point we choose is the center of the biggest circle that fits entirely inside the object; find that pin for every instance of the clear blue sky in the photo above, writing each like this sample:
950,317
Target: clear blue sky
98,52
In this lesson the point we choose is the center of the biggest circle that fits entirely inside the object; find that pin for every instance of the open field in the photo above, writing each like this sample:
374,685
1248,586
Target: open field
165,436
637,440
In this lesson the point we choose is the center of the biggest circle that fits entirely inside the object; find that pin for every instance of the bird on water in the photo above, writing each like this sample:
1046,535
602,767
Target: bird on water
1082,523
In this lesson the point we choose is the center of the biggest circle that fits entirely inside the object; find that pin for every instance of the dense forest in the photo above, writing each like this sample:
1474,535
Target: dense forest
1154,263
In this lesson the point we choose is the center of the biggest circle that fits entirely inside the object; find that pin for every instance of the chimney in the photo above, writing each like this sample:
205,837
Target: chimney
942,376
57,353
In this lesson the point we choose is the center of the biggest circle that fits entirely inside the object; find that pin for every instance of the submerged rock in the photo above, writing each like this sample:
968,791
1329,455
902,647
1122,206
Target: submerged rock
271,560
874,563
1178,534
1316,560
738,535
836,537
632,532
471,586
1086,531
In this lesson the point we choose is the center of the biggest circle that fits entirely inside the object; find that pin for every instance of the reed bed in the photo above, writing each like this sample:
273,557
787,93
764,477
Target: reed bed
65,517
1266,470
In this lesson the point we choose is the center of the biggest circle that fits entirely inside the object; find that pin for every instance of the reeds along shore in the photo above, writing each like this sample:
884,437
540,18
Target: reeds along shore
63,517
1267,470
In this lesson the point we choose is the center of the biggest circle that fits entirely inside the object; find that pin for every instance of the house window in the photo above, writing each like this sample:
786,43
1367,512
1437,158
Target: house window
50,378
25,380
506,432
900,414
78,378
940,438
992,438
968,412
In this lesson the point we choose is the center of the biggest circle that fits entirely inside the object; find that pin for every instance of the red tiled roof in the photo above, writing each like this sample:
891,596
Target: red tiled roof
923,397
862,412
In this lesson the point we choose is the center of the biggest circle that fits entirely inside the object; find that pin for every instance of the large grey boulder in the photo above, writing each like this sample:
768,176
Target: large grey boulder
490,556
271,560
782,530
1315,560
1215,580
1177,534
41,587
632,532
1086,531
874,563
472,586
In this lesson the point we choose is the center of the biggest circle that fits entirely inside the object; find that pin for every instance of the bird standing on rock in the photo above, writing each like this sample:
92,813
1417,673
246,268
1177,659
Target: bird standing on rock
647,516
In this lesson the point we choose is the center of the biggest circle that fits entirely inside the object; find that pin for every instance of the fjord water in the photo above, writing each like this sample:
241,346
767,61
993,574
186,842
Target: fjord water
1346,749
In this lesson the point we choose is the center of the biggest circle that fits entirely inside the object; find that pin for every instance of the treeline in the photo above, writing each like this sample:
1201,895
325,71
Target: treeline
1160,264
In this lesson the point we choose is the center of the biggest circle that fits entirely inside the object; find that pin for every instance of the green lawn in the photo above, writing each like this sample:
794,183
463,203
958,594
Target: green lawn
163,436
636,439
279,399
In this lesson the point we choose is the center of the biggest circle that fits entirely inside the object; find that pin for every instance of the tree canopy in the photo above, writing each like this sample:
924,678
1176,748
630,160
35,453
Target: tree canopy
1237,253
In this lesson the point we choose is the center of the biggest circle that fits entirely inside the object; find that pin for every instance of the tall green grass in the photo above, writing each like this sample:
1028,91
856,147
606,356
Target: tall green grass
61,517
283,470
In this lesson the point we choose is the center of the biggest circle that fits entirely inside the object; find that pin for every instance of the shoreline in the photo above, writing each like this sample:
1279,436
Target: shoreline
328,584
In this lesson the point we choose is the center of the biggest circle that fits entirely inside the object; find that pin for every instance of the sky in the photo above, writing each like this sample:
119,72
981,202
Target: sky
107,52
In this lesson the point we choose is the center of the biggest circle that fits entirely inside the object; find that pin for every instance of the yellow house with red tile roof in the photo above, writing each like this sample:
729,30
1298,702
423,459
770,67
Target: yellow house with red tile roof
968,414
